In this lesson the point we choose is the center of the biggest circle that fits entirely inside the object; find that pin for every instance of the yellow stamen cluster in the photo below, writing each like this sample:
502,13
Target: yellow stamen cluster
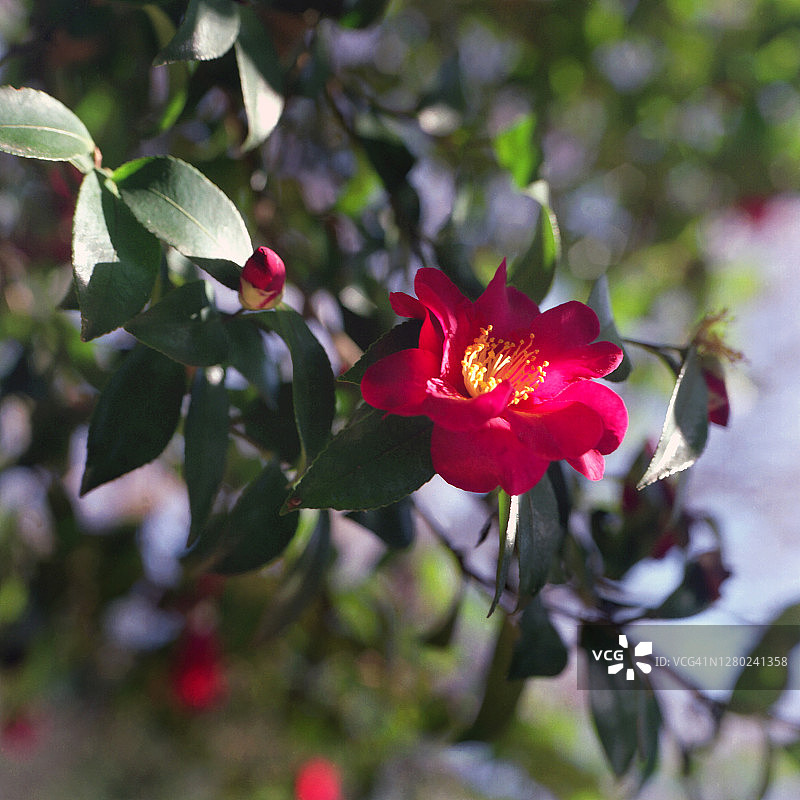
489,361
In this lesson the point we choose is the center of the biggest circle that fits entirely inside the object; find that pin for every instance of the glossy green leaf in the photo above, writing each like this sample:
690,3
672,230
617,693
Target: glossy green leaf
253,533
115,260
685,431
185,326
35,125
509,524
374,461
539,650
135,416
534,271
205,442
208,30
600,302
539,536
261,79
312,378
402,337
180,205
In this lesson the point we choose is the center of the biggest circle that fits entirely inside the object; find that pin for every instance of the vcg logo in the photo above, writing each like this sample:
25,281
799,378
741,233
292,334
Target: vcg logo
617,657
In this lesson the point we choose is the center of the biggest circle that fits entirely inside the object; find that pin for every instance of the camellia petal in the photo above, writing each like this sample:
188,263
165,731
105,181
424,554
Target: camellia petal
479,461
399,382
507,309
563,430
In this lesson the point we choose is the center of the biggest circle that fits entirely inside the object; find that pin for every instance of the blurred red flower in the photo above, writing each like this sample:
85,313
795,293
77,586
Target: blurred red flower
508,387
318,779
198,679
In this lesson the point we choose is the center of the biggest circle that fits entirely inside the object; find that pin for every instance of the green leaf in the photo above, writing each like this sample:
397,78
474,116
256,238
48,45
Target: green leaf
683,437
180,205
205,442
35,125
516,150
185,326
759,686
539,536
208,30
300,584
135,416
115,260
509,523
392,524
248,355
534,271
261,79
312,378
363,13
539,651
614,706
374,461
600,302
253,533
404,336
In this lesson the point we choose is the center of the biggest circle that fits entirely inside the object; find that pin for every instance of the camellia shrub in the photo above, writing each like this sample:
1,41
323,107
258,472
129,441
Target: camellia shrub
238,276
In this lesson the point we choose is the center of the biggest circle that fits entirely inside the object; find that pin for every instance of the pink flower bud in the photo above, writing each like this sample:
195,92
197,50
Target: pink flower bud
262,280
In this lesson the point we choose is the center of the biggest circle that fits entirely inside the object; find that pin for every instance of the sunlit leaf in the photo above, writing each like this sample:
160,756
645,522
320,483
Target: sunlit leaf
35,125
177,203
534,271
208,30
509,524
185,326
205,442
683,437
261,79
374,461
115,260
135,416
516,150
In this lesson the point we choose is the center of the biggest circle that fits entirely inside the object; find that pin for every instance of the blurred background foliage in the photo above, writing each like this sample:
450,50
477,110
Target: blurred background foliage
400,134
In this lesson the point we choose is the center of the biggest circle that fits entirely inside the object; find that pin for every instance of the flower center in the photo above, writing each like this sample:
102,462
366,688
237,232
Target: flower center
489,361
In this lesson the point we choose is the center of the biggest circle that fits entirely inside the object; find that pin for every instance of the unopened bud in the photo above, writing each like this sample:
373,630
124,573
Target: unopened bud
262,280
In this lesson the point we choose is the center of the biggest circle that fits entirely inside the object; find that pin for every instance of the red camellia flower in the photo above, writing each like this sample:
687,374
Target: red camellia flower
262,280
508,387
198,675
318,779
